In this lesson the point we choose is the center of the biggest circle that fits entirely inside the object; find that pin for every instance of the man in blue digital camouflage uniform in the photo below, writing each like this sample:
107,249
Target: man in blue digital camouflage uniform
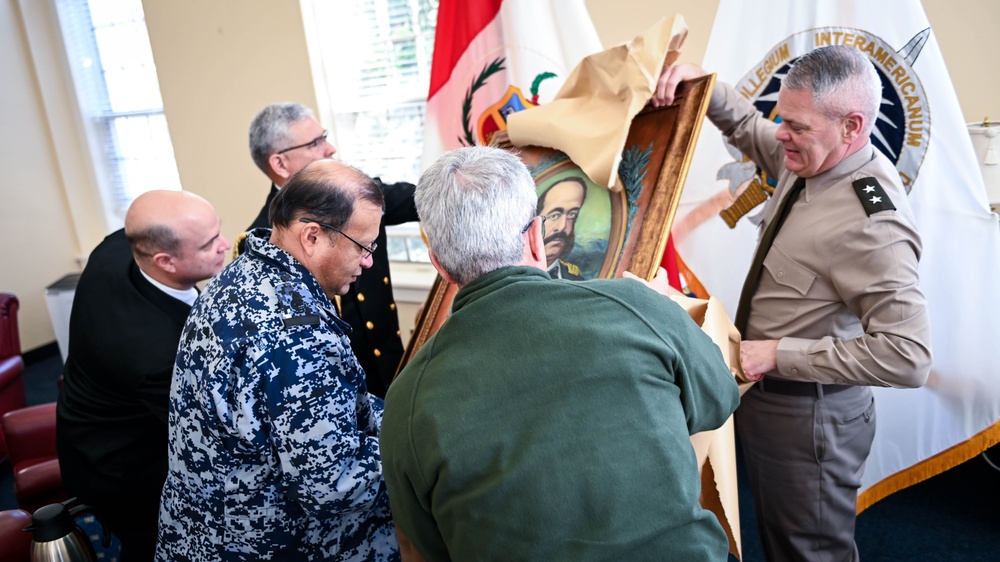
273,446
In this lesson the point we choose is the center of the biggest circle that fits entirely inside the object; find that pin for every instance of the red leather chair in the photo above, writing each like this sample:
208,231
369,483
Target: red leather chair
11,365
31,440
15,544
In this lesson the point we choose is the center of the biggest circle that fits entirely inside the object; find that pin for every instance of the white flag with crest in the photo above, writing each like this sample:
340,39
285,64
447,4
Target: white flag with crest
921,128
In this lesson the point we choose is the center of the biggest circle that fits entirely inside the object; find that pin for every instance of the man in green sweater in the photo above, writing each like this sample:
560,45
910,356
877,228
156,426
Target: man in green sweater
546,419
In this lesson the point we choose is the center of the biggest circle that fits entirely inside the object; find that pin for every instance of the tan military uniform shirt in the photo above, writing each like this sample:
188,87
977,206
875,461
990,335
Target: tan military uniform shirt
839,287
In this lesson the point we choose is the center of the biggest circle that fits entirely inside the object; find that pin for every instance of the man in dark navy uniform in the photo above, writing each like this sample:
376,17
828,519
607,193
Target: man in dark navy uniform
284,137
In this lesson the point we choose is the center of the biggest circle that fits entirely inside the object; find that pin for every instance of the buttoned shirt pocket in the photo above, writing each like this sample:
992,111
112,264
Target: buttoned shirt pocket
781,290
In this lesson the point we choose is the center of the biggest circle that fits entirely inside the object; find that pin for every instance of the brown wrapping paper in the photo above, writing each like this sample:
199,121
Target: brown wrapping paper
716,450
590,117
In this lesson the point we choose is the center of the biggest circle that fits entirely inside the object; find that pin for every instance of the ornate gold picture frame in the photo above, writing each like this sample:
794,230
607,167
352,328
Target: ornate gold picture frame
619,230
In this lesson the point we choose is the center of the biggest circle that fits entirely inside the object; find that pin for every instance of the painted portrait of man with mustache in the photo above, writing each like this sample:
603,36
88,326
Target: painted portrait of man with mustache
560,205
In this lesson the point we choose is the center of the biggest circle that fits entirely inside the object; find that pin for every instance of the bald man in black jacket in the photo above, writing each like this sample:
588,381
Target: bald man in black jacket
128,310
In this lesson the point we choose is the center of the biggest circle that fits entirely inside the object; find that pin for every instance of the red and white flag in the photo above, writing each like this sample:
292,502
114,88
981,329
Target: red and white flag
494,57
921,128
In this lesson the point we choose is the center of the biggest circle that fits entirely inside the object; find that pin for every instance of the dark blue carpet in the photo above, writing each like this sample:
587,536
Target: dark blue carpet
954,516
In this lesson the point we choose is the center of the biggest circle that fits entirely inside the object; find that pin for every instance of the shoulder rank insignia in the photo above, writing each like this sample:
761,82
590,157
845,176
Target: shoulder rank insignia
296,305
873,197
572,268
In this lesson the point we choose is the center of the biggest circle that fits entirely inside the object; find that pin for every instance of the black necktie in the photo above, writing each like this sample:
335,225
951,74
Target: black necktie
757,266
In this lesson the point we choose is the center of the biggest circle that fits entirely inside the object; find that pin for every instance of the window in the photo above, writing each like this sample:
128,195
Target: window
374,62
119,95
405,244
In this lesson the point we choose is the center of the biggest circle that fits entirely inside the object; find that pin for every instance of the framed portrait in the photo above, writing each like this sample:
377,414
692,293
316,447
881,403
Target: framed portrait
595,232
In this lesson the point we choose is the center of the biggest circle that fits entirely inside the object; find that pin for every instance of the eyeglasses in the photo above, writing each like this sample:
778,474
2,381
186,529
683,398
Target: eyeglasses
365,250
311,144
527,226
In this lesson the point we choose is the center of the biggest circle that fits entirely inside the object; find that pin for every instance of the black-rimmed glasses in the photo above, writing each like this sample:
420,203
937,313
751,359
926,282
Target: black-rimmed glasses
527,226
365,250
311,144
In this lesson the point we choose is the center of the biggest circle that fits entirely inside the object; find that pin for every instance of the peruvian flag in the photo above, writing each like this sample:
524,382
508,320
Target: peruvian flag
494,57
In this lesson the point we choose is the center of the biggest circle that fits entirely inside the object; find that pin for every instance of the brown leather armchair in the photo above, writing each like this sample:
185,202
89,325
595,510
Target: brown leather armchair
12,394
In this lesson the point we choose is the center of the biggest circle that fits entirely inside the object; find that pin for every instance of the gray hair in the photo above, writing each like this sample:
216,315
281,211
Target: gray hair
842,81
269,130
473,204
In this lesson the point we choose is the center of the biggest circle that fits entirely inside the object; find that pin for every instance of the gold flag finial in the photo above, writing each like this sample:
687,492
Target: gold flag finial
754,194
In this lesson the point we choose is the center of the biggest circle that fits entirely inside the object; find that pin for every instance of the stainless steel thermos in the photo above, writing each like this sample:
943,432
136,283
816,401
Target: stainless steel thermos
57,538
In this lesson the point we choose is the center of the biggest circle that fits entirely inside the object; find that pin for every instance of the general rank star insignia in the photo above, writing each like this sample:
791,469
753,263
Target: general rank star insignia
873,197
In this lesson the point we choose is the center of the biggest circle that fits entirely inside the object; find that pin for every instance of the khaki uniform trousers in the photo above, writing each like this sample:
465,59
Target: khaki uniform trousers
805,446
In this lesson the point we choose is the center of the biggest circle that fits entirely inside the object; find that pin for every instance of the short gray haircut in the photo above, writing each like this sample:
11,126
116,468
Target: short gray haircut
473,204
842,81
269,130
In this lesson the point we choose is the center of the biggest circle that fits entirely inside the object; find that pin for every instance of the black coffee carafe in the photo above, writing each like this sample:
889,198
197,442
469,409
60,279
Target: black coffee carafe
57,537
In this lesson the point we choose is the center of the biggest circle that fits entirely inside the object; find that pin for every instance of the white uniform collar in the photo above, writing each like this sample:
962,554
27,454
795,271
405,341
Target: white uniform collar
186,296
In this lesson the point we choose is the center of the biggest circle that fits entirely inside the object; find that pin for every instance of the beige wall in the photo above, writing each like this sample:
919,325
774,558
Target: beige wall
219,61
38,237
968,44
618,21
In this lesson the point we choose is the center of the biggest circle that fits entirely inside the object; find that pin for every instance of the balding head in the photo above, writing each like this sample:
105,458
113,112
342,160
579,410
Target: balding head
325,190
175,237
326,217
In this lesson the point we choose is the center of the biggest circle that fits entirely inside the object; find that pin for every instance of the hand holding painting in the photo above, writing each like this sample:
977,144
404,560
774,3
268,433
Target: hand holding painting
658,283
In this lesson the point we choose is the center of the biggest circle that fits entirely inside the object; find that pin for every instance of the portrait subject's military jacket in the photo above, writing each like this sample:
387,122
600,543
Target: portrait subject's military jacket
273,447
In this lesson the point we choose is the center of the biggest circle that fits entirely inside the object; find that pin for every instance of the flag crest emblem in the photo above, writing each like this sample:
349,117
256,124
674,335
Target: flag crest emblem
902,126
494,117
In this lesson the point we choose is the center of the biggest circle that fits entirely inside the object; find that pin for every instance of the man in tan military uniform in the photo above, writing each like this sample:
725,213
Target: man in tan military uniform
836,308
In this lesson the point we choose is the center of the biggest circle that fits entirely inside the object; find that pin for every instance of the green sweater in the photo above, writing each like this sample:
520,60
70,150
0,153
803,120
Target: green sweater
550,420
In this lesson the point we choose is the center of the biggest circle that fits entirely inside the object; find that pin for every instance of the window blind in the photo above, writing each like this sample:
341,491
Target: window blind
376,59
119,96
